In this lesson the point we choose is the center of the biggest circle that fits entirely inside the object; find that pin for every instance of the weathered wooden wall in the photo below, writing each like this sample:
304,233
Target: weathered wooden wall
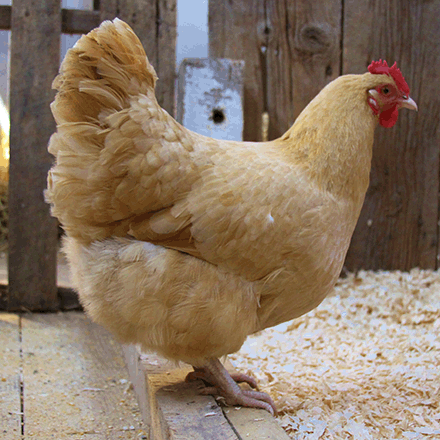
35,53
398,227
35,47
292,49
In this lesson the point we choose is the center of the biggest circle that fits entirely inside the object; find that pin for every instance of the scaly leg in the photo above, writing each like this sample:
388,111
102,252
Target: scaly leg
201,373
223,384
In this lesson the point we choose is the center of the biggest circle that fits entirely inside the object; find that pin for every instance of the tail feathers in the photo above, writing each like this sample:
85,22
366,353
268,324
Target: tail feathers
118,154
100,73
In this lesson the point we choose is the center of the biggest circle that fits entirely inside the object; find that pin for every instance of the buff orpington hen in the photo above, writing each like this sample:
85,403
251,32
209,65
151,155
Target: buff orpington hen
185,244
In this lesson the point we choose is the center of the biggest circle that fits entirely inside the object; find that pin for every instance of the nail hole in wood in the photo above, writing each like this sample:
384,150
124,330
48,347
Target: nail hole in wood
217,116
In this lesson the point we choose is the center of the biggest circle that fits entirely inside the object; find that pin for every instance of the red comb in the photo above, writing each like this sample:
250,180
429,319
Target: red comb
381,67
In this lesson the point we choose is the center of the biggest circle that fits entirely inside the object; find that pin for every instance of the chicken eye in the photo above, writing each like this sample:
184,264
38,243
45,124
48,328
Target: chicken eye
385,90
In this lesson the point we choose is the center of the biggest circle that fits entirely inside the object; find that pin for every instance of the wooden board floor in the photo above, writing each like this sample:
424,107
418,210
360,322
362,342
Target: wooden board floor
63,377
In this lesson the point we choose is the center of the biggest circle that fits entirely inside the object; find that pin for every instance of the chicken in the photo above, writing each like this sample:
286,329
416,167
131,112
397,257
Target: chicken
185,244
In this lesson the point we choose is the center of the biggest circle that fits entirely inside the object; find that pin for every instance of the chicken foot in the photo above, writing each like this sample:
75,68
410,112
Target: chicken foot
225,385
200,373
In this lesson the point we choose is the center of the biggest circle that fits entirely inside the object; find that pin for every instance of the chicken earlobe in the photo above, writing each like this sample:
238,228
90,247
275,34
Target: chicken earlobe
225,385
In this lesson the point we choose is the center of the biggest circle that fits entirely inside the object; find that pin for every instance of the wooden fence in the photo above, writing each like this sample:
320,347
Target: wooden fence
36,29
291,50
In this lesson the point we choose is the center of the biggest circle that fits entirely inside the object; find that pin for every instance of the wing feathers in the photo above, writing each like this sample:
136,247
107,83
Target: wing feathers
118,154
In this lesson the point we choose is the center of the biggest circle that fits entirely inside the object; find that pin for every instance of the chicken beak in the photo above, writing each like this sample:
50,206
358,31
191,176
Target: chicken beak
408,102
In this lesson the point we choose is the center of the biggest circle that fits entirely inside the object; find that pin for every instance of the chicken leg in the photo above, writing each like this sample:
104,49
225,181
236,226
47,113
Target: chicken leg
200,373
225,385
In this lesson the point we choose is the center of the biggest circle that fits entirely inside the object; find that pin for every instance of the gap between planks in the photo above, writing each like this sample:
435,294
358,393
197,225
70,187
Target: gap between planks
172,409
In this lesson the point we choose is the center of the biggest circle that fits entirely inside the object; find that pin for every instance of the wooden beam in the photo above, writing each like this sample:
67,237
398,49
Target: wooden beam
398,226
74,21
5,18
165,58
254,424
33,241
68,298
173,409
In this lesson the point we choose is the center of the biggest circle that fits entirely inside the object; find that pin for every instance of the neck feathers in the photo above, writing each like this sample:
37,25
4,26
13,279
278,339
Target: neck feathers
333,138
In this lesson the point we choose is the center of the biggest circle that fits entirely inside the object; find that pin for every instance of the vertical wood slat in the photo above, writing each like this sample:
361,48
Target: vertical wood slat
155,23
303,55
35,49
165,61
238,31
290,49
398,227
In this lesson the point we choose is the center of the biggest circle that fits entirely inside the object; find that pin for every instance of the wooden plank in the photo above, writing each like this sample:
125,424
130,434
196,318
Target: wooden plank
184,413
165,62
68,298
140,385
239,31
398,225
155,23
10,390
290,49
4,296
32,231
74,21
77,21
302,56
174,409
171,408
5,18
210,97
75,380
254,424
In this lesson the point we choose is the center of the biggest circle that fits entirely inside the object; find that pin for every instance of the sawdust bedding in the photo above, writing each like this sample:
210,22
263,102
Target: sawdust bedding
363,365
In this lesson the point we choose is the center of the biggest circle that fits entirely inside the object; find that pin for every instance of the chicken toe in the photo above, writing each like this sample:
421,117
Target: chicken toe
224,385
201,373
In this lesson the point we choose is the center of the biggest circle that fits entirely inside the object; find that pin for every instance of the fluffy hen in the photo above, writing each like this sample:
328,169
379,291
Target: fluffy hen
186,244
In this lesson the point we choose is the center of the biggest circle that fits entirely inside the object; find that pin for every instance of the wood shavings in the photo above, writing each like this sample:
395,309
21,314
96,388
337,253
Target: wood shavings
363,365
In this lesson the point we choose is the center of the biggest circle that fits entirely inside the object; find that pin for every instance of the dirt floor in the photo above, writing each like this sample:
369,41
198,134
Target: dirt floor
363,365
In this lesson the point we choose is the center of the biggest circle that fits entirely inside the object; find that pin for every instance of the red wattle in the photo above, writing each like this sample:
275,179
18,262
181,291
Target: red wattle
388,118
